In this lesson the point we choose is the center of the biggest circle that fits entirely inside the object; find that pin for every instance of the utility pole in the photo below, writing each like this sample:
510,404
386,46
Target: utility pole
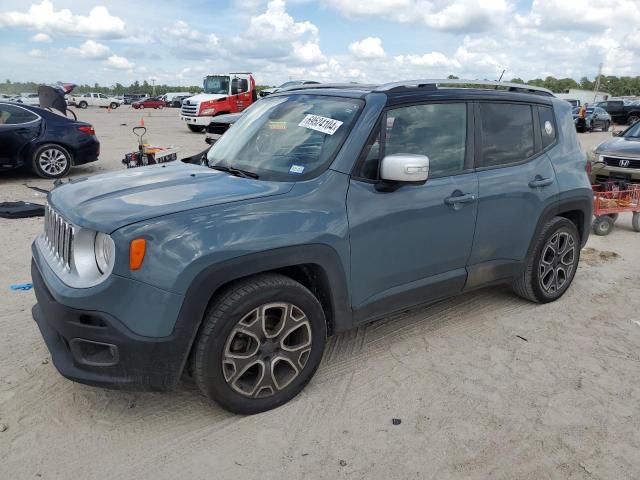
153,83
597,86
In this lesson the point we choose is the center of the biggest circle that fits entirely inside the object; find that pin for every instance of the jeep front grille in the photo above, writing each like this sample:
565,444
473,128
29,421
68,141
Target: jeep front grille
190,110
58,234
621,162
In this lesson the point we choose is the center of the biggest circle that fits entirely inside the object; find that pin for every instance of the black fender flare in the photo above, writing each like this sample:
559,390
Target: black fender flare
582,203
209,281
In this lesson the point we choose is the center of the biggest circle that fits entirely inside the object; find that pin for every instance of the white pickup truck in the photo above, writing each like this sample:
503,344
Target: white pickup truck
94,100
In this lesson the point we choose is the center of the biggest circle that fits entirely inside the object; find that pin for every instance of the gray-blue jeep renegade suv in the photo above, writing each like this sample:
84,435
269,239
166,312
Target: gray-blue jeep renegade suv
320,209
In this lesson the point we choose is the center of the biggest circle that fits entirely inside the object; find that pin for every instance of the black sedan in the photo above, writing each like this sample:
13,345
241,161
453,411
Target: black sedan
44,141
595,117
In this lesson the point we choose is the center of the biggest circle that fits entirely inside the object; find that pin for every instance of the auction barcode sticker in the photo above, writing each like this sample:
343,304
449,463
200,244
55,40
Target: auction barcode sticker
320,124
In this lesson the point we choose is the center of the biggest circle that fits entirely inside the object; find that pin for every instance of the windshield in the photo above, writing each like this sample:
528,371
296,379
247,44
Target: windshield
633,131
218,85
290,84
287,138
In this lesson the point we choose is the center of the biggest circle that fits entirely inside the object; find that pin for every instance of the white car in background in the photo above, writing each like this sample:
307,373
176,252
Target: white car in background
29,99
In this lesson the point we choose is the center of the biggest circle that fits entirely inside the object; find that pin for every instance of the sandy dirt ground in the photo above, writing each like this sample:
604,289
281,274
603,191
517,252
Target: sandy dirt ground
486,385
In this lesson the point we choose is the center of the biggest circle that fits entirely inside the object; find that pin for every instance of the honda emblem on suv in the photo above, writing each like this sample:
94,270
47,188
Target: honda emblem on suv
623,163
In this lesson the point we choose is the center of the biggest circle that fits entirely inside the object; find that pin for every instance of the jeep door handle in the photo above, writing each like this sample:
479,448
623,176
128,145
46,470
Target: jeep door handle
540,182
460,199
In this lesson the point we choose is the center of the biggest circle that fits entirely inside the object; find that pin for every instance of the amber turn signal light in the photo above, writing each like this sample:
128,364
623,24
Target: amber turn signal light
137,249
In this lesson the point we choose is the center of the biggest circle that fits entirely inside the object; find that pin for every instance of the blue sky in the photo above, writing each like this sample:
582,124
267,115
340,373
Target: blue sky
328,40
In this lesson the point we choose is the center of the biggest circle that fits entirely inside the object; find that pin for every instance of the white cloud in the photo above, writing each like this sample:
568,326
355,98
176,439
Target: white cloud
276,35
41,38
429,60
89,49
119,63
454,15
43,16
187,42
370,47
277,25
582,15
308,52
35,53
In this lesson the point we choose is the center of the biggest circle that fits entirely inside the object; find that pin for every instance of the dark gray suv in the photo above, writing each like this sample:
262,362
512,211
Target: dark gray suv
321,209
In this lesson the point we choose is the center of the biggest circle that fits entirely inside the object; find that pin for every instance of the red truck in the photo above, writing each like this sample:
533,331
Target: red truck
225,93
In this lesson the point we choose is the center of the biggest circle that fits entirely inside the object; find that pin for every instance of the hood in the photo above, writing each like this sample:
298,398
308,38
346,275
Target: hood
109,201
620,146
201,97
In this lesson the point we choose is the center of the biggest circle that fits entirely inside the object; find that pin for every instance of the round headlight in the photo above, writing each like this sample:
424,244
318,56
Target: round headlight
105,252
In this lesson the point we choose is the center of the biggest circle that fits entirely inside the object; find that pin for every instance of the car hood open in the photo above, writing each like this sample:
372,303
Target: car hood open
110,201
620,147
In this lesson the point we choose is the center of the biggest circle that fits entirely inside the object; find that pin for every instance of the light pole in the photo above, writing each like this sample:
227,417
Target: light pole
153,83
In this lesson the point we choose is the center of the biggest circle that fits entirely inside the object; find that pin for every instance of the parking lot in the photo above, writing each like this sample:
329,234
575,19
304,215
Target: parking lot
485,385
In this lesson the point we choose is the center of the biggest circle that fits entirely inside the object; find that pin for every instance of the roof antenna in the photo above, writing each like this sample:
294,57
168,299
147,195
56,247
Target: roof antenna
499,79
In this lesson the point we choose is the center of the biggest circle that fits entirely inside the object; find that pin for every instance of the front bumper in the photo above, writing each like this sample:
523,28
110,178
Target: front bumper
202,121
95,348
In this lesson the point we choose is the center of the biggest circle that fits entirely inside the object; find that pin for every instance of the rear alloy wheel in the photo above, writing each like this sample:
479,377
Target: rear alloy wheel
553,263
261,342
83,105
113,105
51,161
602,225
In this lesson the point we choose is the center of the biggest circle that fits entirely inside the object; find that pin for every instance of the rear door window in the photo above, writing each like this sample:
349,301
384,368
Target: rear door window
507,134
12,115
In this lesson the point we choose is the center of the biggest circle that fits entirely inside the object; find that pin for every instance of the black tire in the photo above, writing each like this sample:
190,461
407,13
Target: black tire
51,161
213,363
195,128
632,119
83,105
529,284
113,105
635,221
602,225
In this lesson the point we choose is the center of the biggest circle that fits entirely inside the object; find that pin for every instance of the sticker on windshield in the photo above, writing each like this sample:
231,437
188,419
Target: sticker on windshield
320,124
548,127
271,125
296,169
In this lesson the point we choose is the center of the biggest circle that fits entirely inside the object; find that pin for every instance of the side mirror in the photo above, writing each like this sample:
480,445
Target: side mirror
405,168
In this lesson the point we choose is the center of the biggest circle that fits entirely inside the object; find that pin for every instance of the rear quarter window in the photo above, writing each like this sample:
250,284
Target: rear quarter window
547,126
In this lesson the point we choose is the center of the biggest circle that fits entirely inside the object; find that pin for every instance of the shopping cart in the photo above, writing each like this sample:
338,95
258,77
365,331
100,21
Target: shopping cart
612,198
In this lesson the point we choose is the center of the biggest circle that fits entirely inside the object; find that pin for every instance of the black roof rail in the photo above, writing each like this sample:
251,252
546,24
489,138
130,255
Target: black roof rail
432,83
316,86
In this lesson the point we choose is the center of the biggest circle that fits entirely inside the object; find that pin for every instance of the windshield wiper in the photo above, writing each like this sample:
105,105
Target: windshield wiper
238,172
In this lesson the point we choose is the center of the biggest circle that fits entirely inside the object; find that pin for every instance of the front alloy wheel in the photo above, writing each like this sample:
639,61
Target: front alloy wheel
267,350
260,343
